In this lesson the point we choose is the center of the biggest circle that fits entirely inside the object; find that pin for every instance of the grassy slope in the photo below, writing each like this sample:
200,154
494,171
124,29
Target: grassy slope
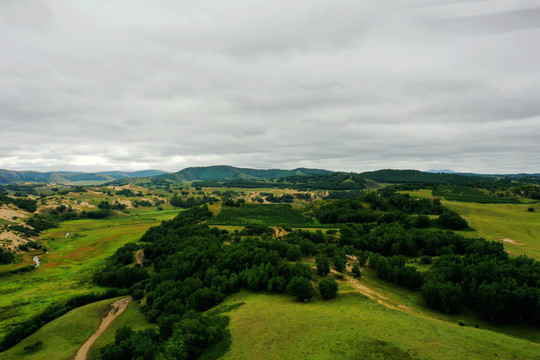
130,317
354,327
68,269
498,221
63,336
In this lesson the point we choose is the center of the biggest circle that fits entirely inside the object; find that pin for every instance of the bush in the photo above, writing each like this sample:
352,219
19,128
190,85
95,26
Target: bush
531,209
323,265
339,264
356,271
328,288
300,287
33,347
426,259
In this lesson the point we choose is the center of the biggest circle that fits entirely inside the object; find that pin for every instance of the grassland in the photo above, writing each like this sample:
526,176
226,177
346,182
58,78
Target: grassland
511,222
268,215
352,326
519,227
62,337
468,194
68,269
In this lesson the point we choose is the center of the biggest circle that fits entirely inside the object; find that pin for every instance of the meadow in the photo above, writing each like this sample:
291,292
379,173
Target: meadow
519,227
351,326
68,268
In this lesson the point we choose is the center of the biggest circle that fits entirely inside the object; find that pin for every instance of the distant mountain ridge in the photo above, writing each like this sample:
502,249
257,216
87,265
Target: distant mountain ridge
69,177
226,172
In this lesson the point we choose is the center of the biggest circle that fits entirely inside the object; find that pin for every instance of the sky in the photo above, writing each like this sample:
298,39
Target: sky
341,85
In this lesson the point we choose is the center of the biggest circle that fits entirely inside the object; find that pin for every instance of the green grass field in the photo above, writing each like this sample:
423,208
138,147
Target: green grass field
499,221
503,221
268,215
64,336
352,326
68,269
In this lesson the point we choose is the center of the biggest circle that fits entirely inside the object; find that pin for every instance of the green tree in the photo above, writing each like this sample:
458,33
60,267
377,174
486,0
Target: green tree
356,271
300,287
328,288
339,264
323,265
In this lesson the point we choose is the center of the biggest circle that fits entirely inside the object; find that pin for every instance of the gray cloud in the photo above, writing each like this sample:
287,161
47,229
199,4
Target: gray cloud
340,85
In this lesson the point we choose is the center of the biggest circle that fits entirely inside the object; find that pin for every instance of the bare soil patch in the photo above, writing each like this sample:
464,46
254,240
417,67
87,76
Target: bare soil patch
139,256
510,241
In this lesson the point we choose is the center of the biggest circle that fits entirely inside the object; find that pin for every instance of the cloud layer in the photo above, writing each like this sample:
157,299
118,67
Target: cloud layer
340,85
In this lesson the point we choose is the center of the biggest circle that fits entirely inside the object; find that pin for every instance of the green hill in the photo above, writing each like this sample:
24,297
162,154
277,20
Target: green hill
69,177
225,172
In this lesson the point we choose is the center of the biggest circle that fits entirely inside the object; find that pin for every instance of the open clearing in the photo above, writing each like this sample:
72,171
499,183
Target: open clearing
353,326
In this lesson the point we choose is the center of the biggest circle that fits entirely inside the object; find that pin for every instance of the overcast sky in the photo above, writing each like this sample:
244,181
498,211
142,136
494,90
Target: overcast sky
341,85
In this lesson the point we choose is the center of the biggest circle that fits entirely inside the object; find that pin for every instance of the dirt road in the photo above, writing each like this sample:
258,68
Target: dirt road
117,308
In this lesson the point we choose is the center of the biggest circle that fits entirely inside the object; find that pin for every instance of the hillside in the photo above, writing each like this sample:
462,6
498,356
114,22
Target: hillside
225,172
70,177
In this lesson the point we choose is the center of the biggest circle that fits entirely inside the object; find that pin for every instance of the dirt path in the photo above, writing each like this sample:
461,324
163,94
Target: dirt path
375,295
139,256
117,308
510,241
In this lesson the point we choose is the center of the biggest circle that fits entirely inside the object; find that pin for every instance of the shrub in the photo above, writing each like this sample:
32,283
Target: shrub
328,288
356,271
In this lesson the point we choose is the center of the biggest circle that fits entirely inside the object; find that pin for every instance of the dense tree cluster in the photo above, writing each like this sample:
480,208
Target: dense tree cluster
190,202
6,257
29,205
117,273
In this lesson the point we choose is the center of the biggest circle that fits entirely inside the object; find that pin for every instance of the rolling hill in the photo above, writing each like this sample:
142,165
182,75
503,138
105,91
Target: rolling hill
70,177
224,172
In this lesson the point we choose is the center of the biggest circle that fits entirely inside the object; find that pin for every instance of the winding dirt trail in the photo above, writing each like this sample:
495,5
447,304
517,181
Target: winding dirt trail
118,307
139,256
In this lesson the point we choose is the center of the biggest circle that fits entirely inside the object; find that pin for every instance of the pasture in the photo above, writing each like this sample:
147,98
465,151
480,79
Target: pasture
351,326
518,228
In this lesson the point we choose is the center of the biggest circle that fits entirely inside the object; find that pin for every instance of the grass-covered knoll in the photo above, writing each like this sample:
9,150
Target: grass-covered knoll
62,337
68,268
352,326
469,194
268,215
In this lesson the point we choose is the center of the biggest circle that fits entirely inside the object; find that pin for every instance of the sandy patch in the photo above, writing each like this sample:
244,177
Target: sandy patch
9,213
510,241
128,203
